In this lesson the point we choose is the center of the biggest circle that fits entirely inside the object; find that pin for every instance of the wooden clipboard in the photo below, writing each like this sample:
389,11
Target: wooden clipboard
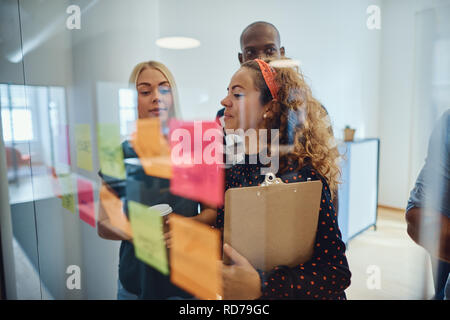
273,224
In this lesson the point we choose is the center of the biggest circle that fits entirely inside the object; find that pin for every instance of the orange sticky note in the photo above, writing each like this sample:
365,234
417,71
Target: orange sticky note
152,148
194,258
114,209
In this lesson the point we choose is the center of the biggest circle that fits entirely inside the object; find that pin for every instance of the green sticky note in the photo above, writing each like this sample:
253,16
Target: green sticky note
67,192
148,238
110,150
84,146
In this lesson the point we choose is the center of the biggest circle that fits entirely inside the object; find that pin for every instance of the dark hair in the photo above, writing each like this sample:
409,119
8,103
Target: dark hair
263,23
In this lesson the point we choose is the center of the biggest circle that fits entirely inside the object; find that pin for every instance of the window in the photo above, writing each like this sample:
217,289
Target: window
127,107
16,116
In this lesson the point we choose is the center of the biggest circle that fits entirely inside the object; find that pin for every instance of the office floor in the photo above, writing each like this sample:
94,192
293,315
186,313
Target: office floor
403,267
28,285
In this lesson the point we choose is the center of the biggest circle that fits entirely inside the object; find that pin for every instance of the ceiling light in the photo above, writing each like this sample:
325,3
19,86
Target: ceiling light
285,63
177,43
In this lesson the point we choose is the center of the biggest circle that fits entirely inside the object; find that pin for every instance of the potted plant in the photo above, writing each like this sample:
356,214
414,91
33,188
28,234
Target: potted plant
349,133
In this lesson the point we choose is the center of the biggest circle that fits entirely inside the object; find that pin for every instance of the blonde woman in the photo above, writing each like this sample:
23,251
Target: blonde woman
157,92
156,98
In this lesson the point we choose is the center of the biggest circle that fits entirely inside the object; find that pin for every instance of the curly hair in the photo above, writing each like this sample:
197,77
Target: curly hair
305,134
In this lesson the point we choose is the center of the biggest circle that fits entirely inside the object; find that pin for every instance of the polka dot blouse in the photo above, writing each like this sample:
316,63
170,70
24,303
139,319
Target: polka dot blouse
327,274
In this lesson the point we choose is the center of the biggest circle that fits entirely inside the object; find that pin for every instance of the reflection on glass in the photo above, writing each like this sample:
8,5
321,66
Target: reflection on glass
127,107
16,118
390,91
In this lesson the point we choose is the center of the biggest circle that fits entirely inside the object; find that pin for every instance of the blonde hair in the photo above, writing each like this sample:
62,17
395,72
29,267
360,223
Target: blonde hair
175,110
302,121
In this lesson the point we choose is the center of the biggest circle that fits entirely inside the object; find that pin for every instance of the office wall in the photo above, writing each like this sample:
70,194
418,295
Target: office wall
44,43
114,36
404,126
338,54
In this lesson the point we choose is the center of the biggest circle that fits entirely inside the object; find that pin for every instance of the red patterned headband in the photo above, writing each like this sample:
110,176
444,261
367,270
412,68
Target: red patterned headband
269,77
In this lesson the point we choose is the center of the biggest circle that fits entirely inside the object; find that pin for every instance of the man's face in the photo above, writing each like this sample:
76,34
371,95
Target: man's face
260,42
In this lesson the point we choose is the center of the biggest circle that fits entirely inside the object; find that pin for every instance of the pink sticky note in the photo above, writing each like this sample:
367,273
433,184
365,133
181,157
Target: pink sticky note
197,161
86,201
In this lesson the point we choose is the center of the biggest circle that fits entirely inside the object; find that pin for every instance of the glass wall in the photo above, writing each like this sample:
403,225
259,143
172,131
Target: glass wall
83,160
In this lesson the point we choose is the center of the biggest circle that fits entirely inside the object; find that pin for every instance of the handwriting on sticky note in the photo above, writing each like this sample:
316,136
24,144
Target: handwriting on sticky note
194,257
148,239
84,147
114,209
67,192
110,150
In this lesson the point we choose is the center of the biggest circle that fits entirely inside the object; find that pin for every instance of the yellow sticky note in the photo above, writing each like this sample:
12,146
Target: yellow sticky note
148,238
67,192
194,258
84,146
110,150
152,148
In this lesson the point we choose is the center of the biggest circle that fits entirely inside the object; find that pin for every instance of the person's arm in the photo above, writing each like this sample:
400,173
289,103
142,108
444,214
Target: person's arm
420,226
412,218
105,229
207,215
241,281
429,227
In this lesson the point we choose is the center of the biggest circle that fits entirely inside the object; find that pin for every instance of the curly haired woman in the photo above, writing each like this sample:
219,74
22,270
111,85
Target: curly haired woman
261,96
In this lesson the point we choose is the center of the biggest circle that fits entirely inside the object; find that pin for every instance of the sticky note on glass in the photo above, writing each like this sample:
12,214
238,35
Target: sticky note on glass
197,161
86,206
148,238
110,150
67,192
84,146
152,148
114,209
194,258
